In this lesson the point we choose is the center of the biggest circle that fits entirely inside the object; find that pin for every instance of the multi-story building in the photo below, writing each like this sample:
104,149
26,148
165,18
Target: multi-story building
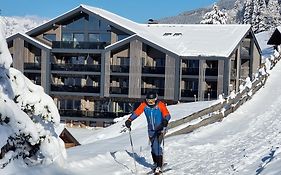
96,65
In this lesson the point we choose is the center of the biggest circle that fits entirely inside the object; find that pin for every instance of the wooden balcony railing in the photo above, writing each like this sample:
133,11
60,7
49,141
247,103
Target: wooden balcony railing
67,88
78,45
76,67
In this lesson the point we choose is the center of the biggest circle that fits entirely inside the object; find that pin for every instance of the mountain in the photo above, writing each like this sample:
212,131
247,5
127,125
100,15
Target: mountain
195,16
15,24
236,13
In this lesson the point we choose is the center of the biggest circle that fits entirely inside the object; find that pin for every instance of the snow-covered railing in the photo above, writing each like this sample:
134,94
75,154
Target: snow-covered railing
228,105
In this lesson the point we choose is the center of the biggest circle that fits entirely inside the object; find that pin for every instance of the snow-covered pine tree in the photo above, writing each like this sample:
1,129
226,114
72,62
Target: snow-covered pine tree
215,16
274,17
248,11
260,16
28,117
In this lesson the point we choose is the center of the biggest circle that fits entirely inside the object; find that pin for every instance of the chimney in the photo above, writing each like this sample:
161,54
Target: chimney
152,21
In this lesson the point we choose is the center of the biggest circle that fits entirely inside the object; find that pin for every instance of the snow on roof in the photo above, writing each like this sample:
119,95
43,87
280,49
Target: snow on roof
279,28
35,41
184,40
198,39
123,22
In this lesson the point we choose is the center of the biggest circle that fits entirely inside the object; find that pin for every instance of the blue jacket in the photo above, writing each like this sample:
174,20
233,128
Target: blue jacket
154,116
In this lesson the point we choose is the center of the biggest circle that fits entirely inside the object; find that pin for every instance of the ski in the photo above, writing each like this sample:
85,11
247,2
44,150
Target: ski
165,169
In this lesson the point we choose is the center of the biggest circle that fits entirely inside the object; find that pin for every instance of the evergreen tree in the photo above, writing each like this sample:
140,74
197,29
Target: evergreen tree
248,11
260,16
274,17
214,17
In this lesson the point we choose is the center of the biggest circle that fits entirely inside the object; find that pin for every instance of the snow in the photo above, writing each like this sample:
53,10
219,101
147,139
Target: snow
5,57
198,39
262,39
28,118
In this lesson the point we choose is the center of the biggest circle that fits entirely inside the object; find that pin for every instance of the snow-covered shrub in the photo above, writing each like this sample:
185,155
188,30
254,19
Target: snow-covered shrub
30,117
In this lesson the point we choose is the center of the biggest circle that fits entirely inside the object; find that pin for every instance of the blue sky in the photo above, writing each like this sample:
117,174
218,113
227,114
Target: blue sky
136,10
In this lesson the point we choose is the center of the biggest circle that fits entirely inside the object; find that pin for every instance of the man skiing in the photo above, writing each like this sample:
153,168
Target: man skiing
157,116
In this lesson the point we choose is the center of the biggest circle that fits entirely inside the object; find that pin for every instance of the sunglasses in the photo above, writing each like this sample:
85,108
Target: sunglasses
151,101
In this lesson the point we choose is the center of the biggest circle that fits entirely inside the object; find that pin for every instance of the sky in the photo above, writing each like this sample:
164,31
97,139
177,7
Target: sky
136,10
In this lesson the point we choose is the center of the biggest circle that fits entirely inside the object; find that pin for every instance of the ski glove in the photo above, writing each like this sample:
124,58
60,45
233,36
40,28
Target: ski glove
165,123
128,123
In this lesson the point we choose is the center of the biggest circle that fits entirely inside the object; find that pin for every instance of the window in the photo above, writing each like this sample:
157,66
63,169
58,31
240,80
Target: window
177,34
76,24
78,37
104,26
50,37
67,37
191,84
167,34
94,37
105,37
99,37
93,23
193,63
121,36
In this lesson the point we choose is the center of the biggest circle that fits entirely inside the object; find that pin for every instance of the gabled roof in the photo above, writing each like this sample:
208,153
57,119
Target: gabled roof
115,20
275,38
198,39
30,40
181,40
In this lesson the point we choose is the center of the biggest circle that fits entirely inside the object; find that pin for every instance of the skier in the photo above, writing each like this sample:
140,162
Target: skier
157,116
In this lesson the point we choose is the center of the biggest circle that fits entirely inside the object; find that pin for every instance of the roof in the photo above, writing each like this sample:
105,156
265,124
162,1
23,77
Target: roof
29,39
121,21
275,38
182,40
198,39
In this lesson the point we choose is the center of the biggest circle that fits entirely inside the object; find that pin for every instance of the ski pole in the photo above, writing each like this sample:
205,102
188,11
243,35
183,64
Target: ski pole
163,149
133,150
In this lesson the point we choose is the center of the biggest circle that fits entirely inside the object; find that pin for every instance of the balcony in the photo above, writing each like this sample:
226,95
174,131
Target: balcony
190,71
119,68
78,45
90,114
119,90
32,66
211,72
160,91
189,93
67,88
153,70
76,67
211,94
